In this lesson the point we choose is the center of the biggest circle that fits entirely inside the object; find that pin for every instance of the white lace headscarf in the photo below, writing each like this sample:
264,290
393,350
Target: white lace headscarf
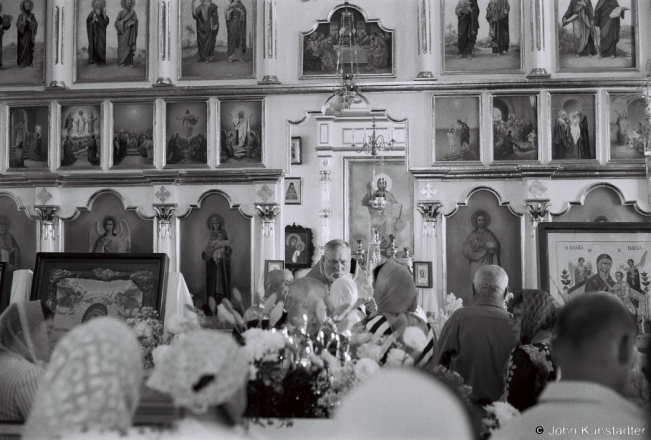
91,384
23,332
201,369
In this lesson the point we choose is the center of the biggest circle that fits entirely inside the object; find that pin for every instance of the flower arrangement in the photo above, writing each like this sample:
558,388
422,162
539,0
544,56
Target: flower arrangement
452,303
498,414
149,330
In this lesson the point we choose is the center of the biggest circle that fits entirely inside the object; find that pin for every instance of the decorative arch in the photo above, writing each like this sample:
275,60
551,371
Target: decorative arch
210,192
89,205
631,204
203,269
467,245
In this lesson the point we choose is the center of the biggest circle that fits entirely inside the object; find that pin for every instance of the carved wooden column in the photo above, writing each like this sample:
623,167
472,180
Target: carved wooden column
165,14
429,211
425,50
270,43
538,210
48,223
57,35
166,232
540,48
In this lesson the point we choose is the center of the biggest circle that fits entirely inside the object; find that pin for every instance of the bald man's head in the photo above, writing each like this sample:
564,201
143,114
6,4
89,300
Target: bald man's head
595,339
278,282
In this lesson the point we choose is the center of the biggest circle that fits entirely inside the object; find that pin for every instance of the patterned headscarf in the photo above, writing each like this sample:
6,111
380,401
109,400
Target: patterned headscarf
540,311
23,332
203,368
92,382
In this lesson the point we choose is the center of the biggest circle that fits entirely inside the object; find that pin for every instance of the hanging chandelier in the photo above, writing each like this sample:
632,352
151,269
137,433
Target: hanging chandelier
347,51
375,143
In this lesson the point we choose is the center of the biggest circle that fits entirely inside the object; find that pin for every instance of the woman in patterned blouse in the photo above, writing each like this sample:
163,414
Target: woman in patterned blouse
530,366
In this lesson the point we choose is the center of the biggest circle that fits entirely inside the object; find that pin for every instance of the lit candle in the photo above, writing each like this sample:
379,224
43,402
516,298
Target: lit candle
353,137
364,135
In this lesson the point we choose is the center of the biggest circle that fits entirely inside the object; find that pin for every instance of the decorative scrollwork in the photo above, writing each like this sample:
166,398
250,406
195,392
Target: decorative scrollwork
539,211
268,214
165,217
46,215
430,212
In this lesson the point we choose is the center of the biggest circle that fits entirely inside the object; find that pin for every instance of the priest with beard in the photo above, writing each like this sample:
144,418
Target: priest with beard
96,25
27,27
127,27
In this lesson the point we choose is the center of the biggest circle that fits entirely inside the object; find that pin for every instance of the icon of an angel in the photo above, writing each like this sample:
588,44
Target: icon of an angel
633,272
108,238
580,272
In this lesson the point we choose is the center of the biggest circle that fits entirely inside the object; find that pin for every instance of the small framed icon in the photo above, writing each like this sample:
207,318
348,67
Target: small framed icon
270,265
423,274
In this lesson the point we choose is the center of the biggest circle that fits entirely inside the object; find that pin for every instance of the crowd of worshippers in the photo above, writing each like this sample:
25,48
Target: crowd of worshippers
565,368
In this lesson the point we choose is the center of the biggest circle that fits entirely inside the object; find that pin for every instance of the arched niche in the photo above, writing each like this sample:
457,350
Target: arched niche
19,236
469,245
86,230
201,269
603,202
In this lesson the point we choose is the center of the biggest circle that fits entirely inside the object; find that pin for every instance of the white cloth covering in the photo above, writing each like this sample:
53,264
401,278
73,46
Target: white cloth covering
21,286
178,296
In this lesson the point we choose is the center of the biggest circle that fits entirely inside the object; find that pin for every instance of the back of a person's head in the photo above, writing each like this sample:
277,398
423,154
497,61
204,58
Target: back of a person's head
301,289
402,404
273,279
99,358
343,292
595,338
490,282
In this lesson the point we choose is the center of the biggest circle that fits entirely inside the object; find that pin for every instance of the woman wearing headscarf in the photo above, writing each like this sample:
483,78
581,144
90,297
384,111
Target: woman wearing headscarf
344,299
397,307
205,373
91,384
24,349
530,366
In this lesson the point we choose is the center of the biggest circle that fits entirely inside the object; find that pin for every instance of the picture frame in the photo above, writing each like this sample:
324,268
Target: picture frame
515,125
480,230
133,125
293,190
567,110
187,130
374,50
124,55
270,265
33,61
589,54
27,138
628,128
361,185
73,286
457,140
241,132
484,50
80,125
194,64
573,260
296,151
423,274
299,249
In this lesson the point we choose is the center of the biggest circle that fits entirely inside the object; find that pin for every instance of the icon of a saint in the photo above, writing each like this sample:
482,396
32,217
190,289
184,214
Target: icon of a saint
481,246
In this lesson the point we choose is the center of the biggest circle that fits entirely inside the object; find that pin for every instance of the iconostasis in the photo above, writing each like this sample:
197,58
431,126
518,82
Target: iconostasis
157,122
